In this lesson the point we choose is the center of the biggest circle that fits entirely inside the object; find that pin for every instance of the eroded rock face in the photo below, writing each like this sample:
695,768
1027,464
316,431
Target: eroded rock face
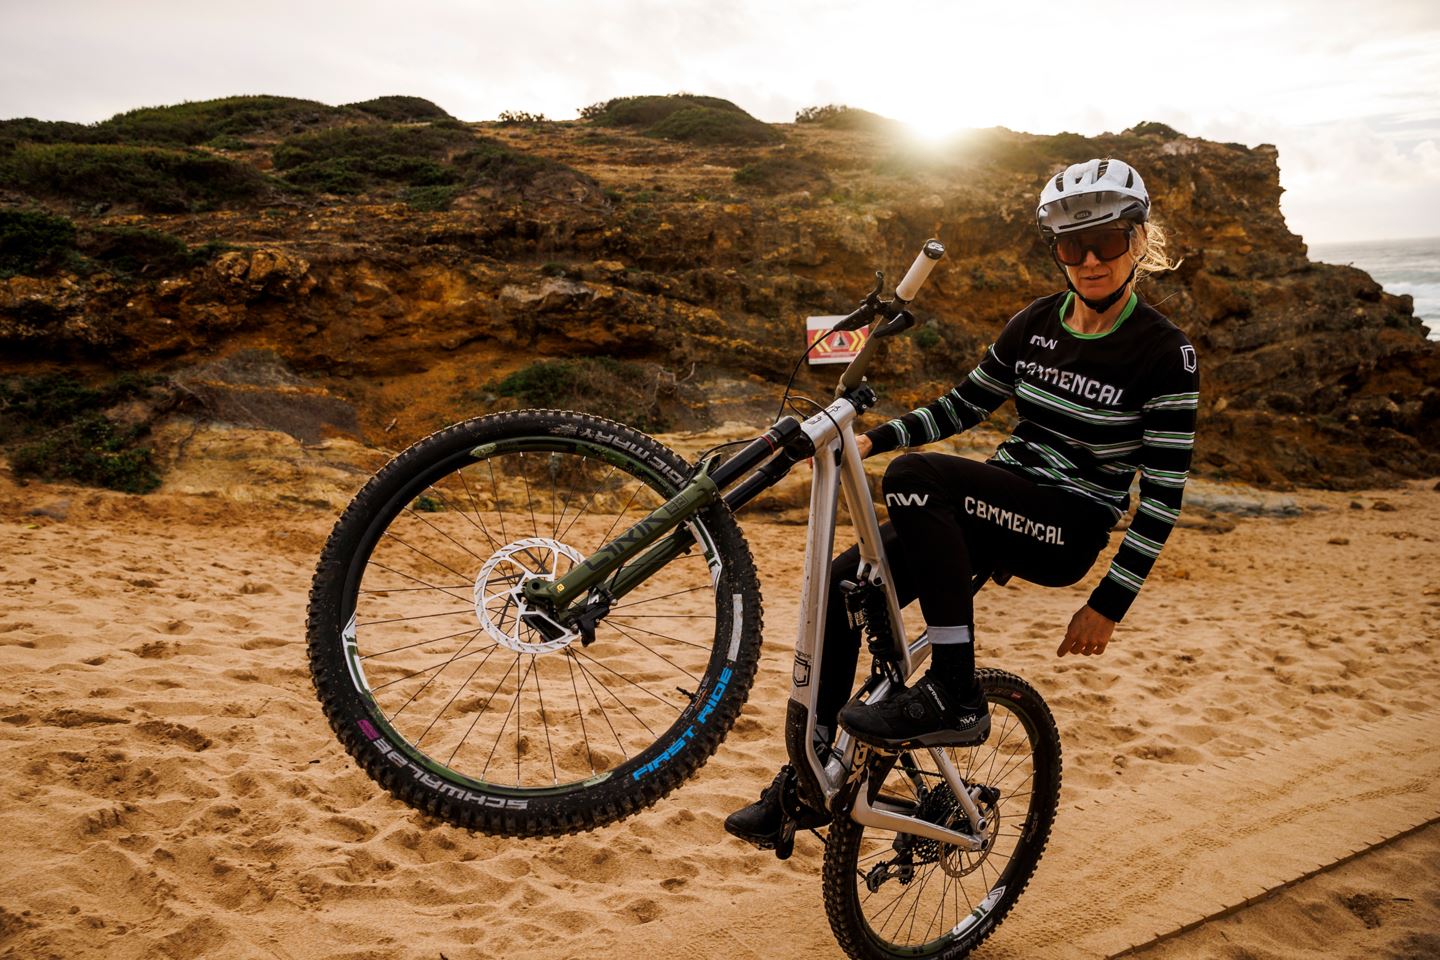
1311,373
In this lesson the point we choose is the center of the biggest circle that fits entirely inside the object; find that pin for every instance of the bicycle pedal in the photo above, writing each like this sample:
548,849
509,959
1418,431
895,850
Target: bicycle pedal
785,846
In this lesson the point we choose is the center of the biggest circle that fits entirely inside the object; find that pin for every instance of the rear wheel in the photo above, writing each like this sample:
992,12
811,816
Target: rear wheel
451,700
891,895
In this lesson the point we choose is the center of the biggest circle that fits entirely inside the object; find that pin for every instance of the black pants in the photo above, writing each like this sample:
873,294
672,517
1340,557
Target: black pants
948,518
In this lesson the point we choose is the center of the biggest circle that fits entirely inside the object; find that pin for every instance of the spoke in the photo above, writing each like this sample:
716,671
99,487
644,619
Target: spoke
580,712
959,883
890,906
545,724
486,706
914,911
554,520
632,683
433,666
622,703
428,585
665,596
423,519
417,643
418,616
669,616
1006,772
623,510
591,499
474,503
939,904
519,717
603,712
453,696
505,723
432,679
658,654
529,497
995,750
427,556
662,636
495,489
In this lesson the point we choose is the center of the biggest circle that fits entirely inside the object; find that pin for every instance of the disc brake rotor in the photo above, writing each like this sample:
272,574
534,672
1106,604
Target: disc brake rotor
500,603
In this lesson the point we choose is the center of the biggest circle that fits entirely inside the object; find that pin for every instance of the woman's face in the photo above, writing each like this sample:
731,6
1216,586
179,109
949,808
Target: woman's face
1096,278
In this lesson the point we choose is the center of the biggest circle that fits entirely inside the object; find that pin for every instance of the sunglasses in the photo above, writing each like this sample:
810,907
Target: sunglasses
1107,244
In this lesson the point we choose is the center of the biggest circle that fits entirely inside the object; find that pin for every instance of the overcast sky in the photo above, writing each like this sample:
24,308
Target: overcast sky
1350,93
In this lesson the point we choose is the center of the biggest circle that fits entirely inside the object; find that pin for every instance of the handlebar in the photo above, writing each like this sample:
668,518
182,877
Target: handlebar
896,318
930,255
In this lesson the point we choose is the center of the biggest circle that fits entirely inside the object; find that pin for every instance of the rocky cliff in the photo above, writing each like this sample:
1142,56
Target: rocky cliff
698,262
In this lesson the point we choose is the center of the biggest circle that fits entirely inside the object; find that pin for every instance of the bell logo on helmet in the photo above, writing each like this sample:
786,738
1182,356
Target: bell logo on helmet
1081,215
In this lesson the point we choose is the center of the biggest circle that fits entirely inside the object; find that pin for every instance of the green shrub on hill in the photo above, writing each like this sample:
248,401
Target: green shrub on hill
782,174
492,163
1026,153
59,431
650,110
32,241
521,118
199,121
708,126
351,159
1153,128
140,251
837,116
431,199
618,389
396,109
29,130
152,179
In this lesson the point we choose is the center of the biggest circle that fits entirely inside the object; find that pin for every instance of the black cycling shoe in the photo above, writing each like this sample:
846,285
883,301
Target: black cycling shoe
770,822
923,716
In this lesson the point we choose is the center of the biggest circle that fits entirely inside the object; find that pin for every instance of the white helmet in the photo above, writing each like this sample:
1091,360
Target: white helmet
1091,193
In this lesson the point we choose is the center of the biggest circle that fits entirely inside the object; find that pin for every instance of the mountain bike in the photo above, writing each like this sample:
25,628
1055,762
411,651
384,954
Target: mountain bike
539,622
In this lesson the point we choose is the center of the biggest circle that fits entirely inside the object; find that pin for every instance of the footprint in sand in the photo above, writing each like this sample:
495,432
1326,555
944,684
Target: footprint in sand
175,732
346,829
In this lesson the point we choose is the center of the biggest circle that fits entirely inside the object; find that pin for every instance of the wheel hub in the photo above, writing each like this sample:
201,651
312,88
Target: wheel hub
500,603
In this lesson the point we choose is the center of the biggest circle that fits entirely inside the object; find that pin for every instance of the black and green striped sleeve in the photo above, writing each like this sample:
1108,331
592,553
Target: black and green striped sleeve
1168,421
990,384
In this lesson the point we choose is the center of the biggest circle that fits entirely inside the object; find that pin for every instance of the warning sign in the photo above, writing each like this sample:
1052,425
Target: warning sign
839,347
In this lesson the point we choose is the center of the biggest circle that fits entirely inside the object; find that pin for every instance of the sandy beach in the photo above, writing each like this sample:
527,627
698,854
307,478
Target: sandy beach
1249,771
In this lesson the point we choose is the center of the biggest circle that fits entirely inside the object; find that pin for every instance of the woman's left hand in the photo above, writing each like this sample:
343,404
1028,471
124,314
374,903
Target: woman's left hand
1089,633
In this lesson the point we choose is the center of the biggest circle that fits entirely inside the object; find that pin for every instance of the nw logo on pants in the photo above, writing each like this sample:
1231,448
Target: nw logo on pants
906,499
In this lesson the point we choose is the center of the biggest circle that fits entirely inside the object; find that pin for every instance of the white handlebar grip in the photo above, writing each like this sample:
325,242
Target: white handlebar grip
930,255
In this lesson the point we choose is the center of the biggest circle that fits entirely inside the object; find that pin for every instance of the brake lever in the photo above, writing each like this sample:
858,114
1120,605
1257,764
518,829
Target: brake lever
871,305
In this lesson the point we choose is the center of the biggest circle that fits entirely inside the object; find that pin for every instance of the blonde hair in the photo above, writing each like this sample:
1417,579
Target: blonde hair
1153,259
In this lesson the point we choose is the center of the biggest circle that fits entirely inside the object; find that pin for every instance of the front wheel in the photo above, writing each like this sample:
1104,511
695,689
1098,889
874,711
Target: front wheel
891,895
433,676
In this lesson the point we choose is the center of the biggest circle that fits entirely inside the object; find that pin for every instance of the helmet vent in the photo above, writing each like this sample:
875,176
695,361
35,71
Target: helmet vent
1100,171
1130,179
1060,182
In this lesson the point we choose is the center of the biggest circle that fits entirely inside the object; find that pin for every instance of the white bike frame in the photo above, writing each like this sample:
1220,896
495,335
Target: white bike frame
837,468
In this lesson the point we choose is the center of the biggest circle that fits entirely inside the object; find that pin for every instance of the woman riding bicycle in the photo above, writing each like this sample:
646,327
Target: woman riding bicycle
1103,385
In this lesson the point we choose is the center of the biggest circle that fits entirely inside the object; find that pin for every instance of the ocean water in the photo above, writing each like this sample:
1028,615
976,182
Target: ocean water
1400,266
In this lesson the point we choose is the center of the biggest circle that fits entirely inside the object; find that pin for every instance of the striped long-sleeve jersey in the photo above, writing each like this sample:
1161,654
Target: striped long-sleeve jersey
1093,409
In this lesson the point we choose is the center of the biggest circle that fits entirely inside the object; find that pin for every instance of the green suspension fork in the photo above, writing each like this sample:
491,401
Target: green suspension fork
559,595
